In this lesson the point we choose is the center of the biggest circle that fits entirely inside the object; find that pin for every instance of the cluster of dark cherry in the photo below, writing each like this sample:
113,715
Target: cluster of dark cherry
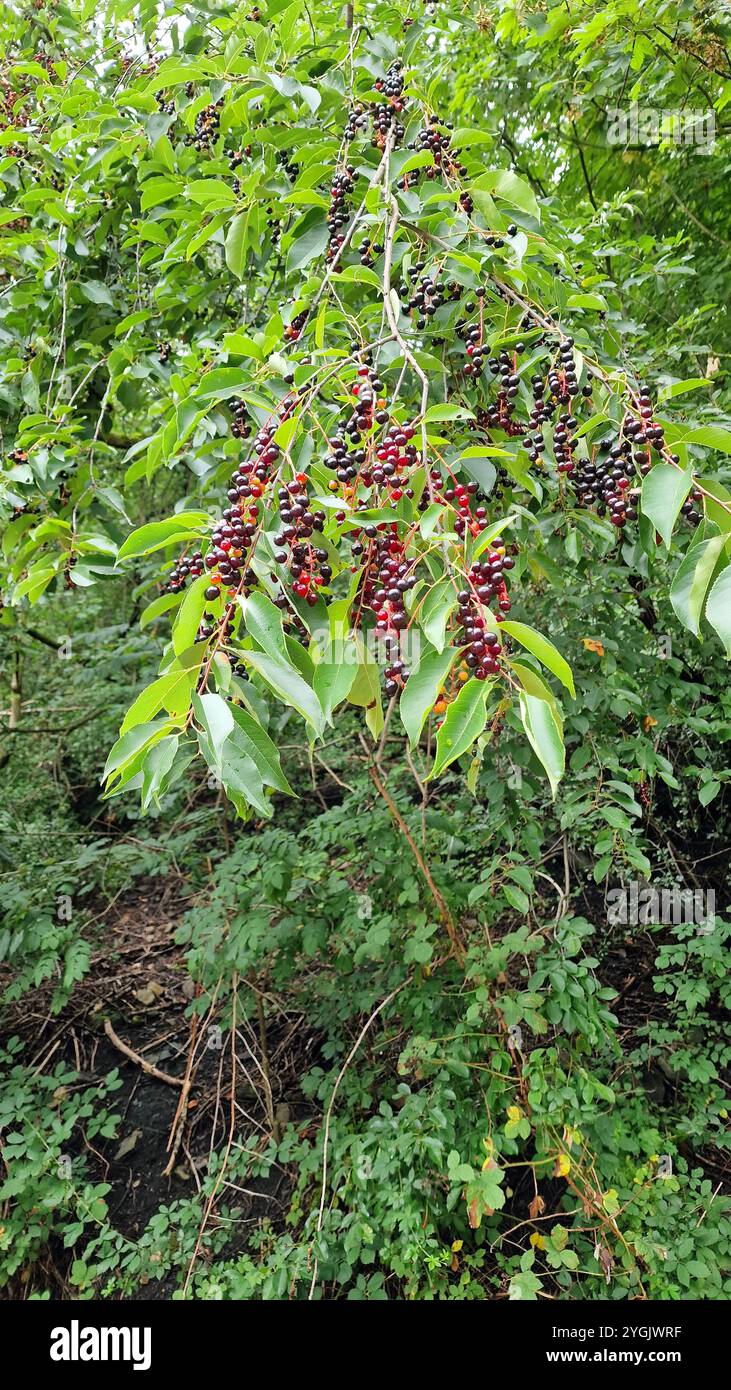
205,130
459,496
384,115
188,567
424,297
294,328
337,215
307,563
388,458
239,524
386,579
436,142
482,646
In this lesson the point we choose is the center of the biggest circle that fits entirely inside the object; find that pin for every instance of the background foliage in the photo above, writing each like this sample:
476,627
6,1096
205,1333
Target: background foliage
352,963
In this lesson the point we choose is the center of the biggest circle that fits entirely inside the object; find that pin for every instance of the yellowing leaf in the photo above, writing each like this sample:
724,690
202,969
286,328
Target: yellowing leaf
563,1166
592,645
537,1241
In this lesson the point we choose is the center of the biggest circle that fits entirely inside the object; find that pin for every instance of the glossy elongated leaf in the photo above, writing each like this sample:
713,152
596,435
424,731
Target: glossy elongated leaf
129,749
162,604
263,620
214,715
664,491
157,534
544,729
540,646
434,611
335,673
366,689
463,722
156,768
422,687
310,244
490,534
170,692
718,607
236,244
288,684
256,742
689,587
713,436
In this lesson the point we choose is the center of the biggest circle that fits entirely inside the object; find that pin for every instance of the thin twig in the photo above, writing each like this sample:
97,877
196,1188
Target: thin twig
140,1061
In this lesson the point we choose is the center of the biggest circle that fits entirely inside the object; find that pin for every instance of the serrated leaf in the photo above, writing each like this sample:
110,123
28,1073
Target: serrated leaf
421,689
464,721
156,534
718,607
540,646
544,730
664,491
286,682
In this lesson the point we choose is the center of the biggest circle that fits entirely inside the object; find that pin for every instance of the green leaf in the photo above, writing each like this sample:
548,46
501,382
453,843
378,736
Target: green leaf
465,136
210,193
664,491
490,534
464,721
335,673
263,620
691,581
718,607
286,682
182,526
257,743
96,292
162,604
434,612
503,183
129,750
545,651
713,436
448,412
156,767
236,244
366,689
311,244
708,792
170,692
544,729
679,388
421,689
217,721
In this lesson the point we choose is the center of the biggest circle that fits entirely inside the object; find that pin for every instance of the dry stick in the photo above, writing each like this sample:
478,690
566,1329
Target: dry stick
140,1061
442,908
176,1132
328,1116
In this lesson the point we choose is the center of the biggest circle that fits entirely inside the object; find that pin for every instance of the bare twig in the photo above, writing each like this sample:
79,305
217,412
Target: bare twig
138,1060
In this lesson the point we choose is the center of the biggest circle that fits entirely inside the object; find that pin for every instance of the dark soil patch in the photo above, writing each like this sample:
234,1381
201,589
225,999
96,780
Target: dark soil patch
139,981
